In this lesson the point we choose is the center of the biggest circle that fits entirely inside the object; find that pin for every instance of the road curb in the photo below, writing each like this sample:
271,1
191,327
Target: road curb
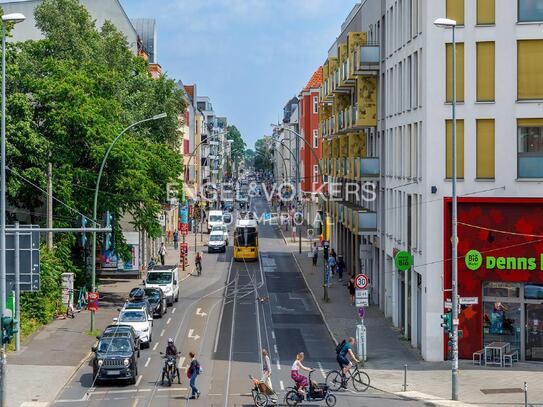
77,367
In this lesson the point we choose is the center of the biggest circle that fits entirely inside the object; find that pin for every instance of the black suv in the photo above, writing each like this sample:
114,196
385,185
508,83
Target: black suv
115,358
128,329
156,298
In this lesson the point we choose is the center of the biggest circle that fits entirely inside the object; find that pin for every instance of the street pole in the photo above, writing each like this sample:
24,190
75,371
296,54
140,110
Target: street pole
454,232
17,299
50,204
95,203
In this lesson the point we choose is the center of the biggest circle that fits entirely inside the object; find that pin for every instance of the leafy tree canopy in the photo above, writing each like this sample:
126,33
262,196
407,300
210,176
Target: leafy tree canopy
238,145
263,159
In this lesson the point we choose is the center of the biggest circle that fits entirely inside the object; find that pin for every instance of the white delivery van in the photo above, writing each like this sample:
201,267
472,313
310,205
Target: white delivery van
214,218
167,279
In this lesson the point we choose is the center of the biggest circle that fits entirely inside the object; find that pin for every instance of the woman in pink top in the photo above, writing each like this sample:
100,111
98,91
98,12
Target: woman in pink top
300,380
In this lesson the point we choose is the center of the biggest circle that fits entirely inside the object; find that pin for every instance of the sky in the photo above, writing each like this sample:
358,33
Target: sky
249,56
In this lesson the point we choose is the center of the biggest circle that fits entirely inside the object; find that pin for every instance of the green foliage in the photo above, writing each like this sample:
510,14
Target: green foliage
238,146
263,156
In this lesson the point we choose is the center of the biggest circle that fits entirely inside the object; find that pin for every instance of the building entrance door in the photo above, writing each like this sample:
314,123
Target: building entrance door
534,332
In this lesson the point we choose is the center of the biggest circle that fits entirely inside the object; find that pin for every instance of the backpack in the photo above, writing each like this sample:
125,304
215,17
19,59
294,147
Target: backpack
340,346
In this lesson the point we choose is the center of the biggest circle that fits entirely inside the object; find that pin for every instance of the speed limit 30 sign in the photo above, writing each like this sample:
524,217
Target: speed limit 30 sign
361,281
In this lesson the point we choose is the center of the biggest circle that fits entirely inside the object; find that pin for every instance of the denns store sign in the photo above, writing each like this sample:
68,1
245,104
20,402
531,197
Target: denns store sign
474,260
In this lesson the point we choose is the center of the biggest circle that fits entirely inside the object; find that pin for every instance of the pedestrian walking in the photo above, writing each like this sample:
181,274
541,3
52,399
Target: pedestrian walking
175,240
332,263
340,267
192,372
162,253
315,254
333,254
351,289
266,369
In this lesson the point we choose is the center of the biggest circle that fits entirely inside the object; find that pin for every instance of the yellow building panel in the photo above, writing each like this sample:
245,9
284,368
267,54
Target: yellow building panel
459,149
367,101
459,72
486,71
485,149
486,12
354,40
538,122
455,10
358,145
529,72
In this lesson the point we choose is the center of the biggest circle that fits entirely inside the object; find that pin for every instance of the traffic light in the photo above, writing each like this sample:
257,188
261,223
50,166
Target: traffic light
82,238
447,322
108,222
10,327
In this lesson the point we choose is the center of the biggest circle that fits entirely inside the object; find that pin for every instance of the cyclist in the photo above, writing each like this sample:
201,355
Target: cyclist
300,380
346,349
198,263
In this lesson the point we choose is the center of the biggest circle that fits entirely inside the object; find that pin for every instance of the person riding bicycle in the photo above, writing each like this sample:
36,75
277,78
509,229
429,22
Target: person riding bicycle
345,349
198,262
301,381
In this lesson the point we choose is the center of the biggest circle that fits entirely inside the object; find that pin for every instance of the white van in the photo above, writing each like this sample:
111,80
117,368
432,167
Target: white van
167,279
214,218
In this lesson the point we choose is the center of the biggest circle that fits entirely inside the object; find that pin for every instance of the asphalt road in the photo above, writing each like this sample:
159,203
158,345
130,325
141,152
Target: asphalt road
226,316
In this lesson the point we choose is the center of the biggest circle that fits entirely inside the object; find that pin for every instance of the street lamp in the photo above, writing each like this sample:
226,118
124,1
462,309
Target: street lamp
95,204
13,18
447,23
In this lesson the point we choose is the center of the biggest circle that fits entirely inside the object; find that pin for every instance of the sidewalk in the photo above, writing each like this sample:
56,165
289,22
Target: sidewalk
55,352
388,353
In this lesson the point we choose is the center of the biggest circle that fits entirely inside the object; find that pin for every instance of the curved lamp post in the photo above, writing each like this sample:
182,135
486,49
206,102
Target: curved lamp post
95,204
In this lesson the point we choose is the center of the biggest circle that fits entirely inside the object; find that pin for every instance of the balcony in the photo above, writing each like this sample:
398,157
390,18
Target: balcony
357,219
368,168
369,59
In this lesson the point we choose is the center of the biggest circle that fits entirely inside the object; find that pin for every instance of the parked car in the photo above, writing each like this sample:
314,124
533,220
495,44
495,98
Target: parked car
227,218
123,329
115,358
137,303
223,229
216,242
158,302
167,279
140,320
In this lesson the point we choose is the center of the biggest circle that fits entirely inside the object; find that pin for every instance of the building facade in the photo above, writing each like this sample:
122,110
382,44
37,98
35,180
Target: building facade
391,49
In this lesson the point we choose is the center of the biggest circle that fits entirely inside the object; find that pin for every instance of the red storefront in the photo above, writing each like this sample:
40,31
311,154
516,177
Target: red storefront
503,238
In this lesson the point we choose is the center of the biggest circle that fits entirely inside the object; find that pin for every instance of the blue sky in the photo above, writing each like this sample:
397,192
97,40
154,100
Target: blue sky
249,56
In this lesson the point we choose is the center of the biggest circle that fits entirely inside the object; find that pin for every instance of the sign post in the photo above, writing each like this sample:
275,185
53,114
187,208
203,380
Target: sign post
362,297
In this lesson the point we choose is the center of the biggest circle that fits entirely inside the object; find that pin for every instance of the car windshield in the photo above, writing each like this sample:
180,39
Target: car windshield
219,228
136,304
115,345
245,237
153,295
159,278
116,329
132,316
215,218
215,238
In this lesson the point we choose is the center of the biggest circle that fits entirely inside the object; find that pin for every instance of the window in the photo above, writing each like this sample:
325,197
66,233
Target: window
486,12
529,73
459,149
455,11
315,104
315,173
459,73
530,10
530,148
485,149
485,71
315,138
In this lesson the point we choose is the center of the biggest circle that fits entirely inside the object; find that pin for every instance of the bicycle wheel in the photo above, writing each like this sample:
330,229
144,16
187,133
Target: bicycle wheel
334,380
292,398
330,400
361,381
261,400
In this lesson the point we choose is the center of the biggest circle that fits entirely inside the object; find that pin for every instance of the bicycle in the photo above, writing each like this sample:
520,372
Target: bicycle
335,379
198,268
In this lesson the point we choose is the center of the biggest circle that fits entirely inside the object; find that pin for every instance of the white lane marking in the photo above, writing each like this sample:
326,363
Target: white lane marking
281,385
222,307
191,335
139,380
168,321
162,332
147,362
275,349
200,313
180,364
322,370
156,346
173,310
273,334
278,364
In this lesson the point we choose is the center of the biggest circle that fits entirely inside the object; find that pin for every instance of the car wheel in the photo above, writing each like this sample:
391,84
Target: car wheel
177,298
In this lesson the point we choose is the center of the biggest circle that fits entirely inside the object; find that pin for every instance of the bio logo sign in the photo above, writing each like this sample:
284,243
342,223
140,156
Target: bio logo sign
474,260
403,260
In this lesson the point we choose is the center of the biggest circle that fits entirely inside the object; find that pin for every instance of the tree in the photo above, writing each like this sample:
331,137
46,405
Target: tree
263,156
249,157
238,146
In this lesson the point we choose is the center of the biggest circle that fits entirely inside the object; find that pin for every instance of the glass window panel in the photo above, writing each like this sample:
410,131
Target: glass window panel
530,140
533,292
534,332
499,289
530,10
501,323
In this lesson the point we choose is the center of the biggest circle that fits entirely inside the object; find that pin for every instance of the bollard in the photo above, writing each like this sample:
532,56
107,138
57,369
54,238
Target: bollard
404,377
525,394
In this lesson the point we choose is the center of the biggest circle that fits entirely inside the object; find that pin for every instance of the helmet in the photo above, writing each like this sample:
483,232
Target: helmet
170,340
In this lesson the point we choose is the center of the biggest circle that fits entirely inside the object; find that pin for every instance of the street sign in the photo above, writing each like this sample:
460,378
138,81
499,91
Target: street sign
361,281
184,249
362,293
469,300
403,260
361,312
29,258
184,214
184,228
93,301
310,234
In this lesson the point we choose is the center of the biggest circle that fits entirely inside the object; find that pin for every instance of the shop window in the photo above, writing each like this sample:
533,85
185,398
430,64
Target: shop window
529,74
533,292
485,71
499,289
501,323
459,149
530,10
455,11
486,12
459,72
530,148
534,332
485,149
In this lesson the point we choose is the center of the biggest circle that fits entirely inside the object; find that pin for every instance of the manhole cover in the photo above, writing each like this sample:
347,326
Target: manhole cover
501,391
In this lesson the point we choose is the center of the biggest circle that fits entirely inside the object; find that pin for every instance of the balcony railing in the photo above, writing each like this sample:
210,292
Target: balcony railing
369,167
367,221
369,57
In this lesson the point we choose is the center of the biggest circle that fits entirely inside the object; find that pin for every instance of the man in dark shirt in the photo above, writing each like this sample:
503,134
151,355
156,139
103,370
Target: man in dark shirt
193,372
